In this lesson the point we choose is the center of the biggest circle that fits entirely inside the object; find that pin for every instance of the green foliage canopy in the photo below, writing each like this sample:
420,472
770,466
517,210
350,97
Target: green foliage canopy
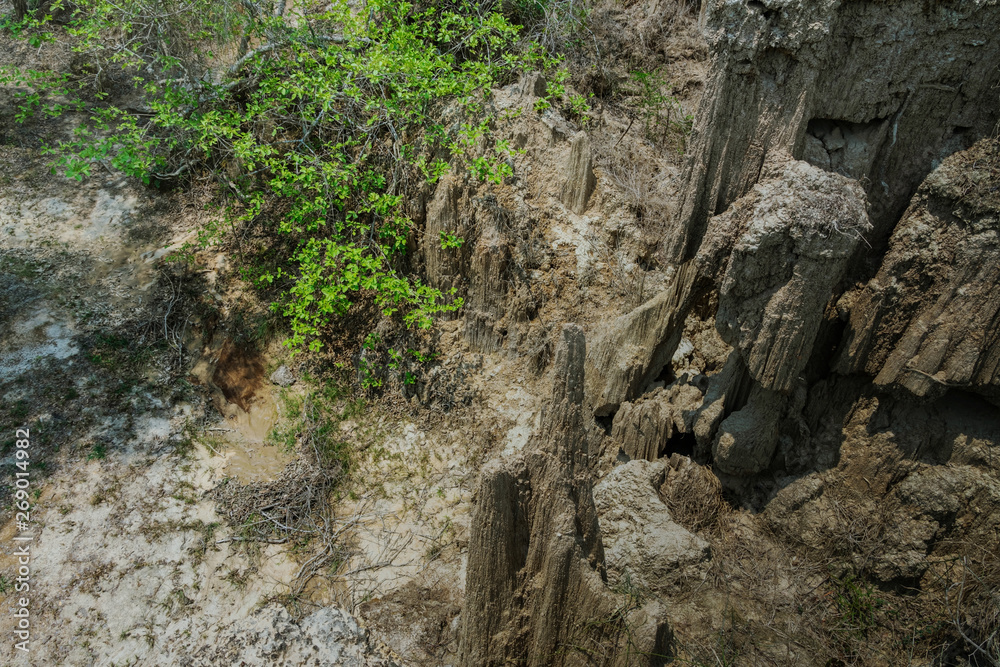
315,122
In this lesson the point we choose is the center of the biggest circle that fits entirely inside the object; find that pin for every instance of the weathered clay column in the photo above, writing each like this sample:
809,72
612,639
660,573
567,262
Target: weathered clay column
535,587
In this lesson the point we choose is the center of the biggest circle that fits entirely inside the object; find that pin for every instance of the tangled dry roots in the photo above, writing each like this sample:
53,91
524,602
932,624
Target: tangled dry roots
272,512
693,494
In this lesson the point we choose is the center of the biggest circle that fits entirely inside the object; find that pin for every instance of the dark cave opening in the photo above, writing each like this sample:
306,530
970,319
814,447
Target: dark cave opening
666,375
680,443
605,422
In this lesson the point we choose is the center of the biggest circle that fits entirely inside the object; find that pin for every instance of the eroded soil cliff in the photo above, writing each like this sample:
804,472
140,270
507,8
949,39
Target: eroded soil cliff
726,394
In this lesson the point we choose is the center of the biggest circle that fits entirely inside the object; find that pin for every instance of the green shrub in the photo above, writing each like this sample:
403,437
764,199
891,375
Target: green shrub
661,112
857,602
316,131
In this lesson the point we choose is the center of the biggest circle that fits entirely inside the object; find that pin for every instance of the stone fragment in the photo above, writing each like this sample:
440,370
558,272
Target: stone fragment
328,637
283,377
641,540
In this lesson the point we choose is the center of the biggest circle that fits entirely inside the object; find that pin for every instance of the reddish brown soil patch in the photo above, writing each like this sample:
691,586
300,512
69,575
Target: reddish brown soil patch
239,374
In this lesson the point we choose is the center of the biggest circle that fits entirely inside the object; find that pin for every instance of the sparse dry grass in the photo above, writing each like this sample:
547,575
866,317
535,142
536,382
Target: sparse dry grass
694,496
769,598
